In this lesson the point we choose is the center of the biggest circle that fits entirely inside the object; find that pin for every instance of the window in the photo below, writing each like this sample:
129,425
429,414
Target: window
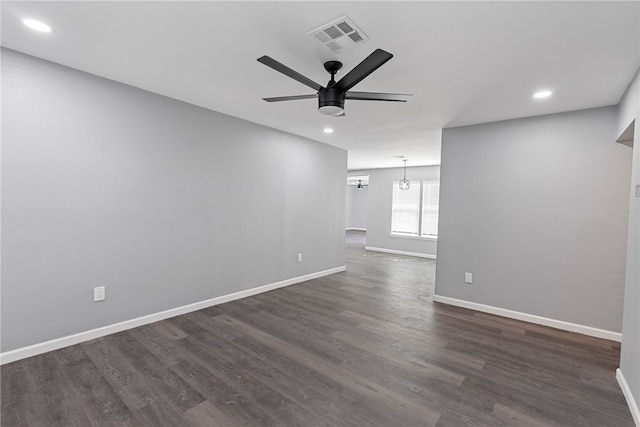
430,205
414,212
405,210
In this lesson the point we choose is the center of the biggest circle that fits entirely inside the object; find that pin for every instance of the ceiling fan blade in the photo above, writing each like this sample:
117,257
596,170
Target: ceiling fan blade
363,69
272,63
375,96
289,98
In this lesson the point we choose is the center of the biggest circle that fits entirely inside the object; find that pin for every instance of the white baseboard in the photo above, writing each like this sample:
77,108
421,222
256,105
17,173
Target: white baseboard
532,318
355,229
633,405
55,344
394,251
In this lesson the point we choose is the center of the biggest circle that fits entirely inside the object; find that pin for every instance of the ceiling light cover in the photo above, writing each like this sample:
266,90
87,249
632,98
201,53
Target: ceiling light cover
331,110
37,25
542,94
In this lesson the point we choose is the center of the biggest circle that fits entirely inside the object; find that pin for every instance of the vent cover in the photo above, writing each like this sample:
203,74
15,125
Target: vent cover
339,34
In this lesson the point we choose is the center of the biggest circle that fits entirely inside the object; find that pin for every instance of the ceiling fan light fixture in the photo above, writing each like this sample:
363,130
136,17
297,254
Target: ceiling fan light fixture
331,110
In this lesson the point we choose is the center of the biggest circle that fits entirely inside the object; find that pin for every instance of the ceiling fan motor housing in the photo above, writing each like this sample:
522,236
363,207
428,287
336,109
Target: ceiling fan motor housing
331,101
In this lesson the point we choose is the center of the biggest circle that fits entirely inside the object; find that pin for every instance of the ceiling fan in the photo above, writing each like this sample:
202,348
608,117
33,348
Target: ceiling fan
331,98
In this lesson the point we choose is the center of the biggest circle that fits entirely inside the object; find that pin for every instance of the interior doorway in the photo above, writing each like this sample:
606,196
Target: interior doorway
357,209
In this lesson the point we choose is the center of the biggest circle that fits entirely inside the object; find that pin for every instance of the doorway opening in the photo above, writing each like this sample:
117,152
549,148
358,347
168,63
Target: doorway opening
357,210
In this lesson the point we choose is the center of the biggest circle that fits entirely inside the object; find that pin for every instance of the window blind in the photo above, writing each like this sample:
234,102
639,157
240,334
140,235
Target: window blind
430,206
405,209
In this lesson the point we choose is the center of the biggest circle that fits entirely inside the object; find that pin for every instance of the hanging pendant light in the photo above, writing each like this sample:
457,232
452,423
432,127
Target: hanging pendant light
404,182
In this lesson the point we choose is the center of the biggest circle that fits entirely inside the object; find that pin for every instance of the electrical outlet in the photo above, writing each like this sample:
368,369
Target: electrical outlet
468,277
98,294
299,257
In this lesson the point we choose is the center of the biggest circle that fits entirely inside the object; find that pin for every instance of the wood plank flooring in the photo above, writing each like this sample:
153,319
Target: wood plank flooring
366,347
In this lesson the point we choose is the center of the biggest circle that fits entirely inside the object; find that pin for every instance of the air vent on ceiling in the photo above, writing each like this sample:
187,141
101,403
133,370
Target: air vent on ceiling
339,34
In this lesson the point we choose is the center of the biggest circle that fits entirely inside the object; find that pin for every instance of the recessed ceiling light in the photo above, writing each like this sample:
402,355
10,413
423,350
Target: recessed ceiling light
37,25
328,130
542,94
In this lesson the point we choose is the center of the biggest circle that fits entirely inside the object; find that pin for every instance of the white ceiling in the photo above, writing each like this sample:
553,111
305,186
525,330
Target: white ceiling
464,62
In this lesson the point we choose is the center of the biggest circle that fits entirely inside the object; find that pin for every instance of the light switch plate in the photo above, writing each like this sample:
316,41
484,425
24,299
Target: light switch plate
637,190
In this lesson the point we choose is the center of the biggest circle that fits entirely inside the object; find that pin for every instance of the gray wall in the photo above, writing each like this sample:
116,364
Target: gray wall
629,109
163,202
379,208
537,210
357,207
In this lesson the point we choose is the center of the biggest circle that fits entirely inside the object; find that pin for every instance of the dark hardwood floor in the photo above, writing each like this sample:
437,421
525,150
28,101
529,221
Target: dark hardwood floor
366,347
